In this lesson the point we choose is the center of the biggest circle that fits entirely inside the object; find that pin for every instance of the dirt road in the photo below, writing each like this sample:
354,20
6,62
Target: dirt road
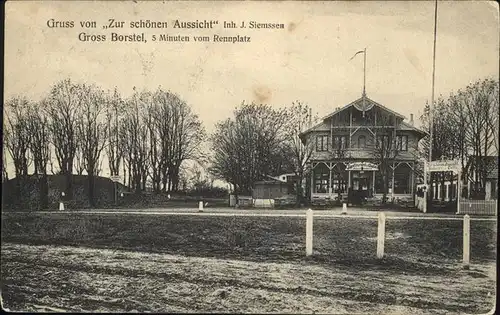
62,278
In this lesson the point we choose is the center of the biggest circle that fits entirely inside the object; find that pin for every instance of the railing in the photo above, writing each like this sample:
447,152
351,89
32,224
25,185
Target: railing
481,207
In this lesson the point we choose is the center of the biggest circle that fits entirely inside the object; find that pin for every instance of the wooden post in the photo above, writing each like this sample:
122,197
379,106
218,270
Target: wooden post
426,186
392,189
309,233
412,181
466,257
200,206
373,183
459,192
381,235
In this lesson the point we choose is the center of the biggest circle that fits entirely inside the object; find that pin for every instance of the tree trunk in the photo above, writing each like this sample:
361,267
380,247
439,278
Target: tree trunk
44,191
69,186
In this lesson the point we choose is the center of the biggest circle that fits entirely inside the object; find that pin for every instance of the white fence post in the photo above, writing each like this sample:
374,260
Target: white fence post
344,208
200,206
61,203
381,235
466,257
309,233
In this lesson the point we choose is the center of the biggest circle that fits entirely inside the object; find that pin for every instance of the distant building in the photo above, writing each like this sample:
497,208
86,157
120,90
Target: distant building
481,175
265,191
354,145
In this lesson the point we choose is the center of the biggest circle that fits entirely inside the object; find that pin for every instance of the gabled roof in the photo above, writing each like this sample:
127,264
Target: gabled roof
366,100
403,125
407,126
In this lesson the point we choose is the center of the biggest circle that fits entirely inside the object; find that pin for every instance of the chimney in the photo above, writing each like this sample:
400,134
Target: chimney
411,119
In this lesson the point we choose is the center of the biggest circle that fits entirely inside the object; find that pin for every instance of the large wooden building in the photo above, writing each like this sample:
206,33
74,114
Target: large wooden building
366,147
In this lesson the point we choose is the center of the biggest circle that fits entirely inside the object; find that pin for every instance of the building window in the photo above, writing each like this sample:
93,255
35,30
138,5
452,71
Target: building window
339,142
383,141
321,143
402,143
321,179
361,141
339,184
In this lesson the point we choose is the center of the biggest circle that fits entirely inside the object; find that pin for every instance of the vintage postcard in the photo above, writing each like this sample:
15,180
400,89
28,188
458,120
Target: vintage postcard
295,157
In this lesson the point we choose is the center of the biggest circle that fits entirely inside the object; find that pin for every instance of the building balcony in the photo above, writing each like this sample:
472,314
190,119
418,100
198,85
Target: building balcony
357,153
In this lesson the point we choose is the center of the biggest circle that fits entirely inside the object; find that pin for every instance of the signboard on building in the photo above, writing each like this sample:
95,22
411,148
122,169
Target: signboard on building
362,166
443,166
115,178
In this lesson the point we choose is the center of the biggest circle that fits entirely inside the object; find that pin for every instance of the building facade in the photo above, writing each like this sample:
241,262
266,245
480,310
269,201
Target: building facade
364,150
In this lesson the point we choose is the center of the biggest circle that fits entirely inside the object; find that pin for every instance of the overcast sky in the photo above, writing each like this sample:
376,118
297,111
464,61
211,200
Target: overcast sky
308,62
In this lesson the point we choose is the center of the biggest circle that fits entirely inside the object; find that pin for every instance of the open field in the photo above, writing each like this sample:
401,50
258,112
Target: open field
125,262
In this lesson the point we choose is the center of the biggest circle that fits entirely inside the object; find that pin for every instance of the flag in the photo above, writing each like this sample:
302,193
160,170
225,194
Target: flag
359,52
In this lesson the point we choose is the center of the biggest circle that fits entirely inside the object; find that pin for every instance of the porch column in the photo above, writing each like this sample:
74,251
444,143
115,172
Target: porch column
330,181
392,192
412,181
349,181
373,183
312,180
447,191
439,191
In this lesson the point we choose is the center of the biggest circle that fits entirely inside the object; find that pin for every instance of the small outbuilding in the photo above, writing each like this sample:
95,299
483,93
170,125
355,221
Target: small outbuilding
265,191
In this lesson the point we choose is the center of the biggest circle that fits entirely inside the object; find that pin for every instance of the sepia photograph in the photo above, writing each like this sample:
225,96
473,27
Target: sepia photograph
250,157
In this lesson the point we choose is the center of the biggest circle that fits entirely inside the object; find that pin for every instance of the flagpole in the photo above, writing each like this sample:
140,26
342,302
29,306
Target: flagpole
431,108
364,73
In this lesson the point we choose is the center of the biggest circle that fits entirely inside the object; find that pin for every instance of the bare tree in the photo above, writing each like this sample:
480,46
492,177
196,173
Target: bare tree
134,141
79,161
446,135
38,124
152,121
465,127
62,105
386,148
114,116
188,135
91,133
480,104
246,147
18,138
178,135
300,150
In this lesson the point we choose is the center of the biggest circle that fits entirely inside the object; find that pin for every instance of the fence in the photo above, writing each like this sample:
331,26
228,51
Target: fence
481,207
381,236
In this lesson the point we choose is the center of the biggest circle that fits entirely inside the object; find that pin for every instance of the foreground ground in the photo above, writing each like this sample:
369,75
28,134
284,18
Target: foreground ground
136,262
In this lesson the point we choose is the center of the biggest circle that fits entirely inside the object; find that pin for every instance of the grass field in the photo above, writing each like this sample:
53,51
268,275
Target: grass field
125,262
